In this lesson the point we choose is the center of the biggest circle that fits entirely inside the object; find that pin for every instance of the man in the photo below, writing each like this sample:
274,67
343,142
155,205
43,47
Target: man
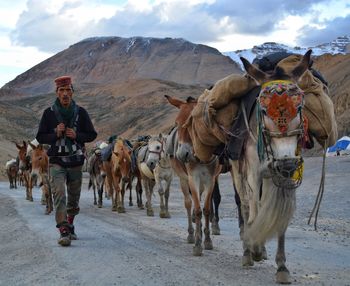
65,126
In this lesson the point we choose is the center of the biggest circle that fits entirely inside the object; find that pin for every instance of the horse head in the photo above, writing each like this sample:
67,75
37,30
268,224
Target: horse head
121,158
155,148
22,156
282,126
184,150
39,159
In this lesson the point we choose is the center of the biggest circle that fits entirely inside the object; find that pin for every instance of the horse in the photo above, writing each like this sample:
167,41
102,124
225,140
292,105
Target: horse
97,175
155,169
25,167
12,172
196,178
271,164
120,170
40,168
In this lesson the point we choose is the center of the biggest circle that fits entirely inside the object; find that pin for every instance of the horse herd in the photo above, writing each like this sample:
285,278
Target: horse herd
265,176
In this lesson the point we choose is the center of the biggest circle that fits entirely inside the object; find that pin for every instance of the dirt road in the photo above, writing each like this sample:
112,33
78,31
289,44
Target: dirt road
133,249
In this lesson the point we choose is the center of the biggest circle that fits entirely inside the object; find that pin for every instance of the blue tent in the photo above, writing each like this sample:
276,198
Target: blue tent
342,144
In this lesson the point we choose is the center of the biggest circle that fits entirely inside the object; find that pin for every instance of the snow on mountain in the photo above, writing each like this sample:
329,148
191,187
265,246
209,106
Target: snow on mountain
338,46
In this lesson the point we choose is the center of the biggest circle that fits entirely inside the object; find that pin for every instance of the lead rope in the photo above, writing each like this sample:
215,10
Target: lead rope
320,189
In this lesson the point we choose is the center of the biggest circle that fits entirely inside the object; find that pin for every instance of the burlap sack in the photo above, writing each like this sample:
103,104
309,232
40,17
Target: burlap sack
319,107
229,88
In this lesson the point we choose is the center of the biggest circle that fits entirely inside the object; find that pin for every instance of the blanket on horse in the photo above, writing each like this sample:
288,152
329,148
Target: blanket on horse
217,119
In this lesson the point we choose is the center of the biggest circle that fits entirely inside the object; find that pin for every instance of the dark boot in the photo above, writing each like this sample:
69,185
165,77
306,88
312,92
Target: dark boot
73,235
70,219
64,239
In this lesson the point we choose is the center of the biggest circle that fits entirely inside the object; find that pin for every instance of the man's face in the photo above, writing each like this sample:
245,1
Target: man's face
64,94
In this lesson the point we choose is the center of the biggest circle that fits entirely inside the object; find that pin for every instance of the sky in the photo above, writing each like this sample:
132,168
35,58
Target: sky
34,30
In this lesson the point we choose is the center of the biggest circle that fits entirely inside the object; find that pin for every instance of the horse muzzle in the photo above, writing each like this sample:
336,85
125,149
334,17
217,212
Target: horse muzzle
287,173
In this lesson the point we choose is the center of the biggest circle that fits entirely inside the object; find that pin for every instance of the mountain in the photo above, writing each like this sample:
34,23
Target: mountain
113,60
122,83
340,45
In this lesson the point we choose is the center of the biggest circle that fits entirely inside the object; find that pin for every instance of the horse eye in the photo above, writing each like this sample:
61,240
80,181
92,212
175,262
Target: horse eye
158,147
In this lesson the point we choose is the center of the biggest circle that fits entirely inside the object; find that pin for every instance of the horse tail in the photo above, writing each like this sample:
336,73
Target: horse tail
90,184
275,212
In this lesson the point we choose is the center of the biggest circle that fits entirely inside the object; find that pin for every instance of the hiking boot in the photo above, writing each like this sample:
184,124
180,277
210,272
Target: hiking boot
64,239
73,235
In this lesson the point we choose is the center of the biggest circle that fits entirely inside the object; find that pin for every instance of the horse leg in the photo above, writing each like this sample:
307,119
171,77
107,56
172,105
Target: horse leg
166,196
130,193
139,194
188,205
208,244
282,275
100,194
94,188
115,190
214,213
162,212
30,188
150,211
121,208
197,248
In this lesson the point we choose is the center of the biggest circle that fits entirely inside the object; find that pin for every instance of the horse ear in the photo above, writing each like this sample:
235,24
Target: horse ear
174,101
160,136
304,64
32,145
24,143
254,72
18,146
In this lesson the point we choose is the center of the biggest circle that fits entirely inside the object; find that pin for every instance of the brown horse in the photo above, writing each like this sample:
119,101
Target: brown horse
196,178
25,167
120,169
12,172
40,168
97,175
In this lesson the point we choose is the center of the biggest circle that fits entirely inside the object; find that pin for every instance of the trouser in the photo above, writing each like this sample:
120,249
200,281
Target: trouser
60,178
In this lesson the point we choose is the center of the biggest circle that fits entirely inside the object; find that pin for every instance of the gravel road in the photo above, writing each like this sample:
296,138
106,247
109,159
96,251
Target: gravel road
133,249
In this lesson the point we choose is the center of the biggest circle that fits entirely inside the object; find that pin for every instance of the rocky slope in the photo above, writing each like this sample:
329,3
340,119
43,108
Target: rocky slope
122,82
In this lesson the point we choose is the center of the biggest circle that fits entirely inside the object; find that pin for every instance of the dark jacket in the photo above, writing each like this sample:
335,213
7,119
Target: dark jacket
47,135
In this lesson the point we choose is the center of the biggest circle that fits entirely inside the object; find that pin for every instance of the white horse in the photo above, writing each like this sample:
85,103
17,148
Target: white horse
271,163
156,171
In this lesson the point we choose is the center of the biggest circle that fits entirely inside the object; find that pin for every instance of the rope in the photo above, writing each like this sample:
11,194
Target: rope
320,190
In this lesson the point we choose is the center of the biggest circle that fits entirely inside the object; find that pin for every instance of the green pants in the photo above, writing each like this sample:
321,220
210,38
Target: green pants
60,178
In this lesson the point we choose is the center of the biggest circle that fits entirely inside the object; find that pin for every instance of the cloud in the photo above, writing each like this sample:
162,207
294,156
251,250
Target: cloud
53,28
310,36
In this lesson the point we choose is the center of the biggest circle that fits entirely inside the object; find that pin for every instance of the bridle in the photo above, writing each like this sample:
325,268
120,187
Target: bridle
281,101
160,151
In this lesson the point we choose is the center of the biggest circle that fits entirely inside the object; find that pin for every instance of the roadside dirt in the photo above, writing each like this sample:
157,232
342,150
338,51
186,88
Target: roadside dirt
133,249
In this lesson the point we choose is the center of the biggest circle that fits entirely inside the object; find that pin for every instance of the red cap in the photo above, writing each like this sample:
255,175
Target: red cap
63,80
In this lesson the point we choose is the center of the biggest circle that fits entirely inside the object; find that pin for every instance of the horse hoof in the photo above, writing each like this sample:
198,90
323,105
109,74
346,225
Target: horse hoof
215,229
121,210
283,276
264,253
247,261
140,206
257,256
99,206
31,199
190,238
150,212
164,214
43,203
197,250
208,244
114,209
130,204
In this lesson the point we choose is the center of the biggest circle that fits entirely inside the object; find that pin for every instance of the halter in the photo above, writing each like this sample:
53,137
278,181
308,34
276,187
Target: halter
281,101
159,153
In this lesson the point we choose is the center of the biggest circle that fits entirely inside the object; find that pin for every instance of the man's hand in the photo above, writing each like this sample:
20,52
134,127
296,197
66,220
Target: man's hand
60,130
70,133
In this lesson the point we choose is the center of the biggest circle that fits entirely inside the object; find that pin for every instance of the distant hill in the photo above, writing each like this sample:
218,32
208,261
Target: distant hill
122,82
